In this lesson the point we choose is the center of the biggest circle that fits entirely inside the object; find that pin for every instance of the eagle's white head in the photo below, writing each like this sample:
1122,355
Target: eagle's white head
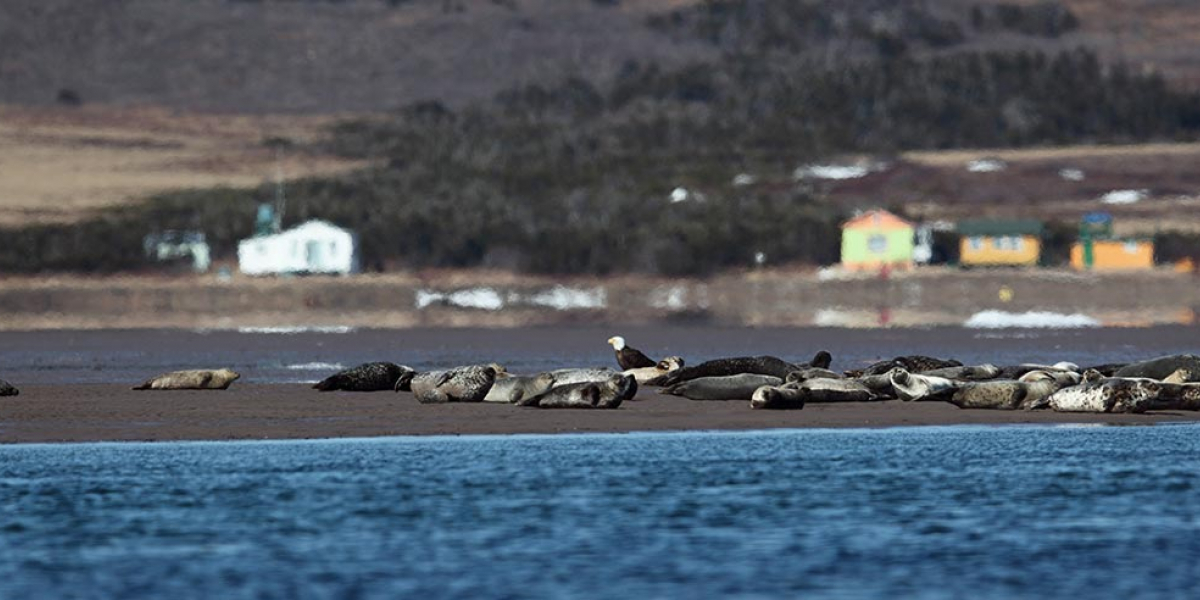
617,342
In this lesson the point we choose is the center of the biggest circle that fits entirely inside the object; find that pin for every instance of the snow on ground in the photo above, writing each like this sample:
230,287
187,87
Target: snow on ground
998,319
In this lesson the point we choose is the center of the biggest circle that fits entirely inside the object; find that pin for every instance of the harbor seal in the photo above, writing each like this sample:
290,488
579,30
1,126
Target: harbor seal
722,367
629,358
825,391
729,387
913,364
368,377
880,385
1176,396
966,373
511,390
806,373
8,389
912,387
1006,394
1161,367
583,375
1100,395
777,398
1016,371
460,384
609,393
198,379
1184,375
1108,369
657,374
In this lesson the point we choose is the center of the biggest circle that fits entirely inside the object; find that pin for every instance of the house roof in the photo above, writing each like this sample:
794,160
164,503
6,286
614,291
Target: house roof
877,219
1000,227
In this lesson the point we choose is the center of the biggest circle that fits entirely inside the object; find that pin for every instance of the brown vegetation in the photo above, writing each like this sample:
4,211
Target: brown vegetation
62,164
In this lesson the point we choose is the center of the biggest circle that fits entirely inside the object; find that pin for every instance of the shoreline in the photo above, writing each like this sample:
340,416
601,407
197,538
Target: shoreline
62,413
479,298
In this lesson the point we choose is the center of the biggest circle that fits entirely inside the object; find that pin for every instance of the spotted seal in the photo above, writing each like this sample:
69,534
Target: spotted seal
1100,395
8,389
832,390
460,384
196,379
777,398
511,390
812,373
582,375
1007,394
609,393
729,387
1016,371
368,377
1161,367
965,373
915,363
912,387
723,367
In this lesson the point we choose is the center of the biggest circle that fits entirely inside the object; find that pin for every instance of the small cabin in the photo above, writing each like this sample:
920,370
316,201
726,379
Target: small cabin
999,242
315,247
876,240
1112,255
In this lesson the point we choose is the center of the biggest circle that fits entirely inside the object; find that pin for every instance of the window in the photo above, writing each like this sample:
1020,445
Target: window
976,242
1018,243
1000,242
877,244
1131,247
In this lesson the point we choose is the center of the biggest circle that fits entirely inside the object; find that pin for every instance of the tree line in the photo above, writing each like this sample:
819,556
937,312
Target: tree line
577,176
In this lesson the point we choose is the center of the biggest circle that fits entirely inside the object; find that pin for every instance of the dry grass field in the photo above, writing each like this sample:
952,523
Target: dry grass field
60,164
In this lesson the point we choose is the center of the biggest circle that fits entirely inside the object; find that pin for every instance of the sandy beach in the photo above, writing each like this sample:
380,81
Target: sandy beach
104,412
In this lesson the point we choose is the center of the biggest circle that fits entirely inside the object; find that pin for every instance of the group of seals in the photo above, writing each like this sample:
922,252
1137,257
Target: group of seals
768,382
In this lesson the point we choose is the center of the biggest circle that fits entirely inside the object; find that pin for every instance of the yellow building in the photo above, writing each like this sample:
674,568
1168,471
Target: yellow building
994,243
875,240
1112,255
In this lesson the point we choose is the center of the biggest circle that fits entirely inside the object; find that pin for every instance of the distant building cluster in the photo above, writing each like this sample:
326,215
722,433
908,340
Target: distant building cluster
878,240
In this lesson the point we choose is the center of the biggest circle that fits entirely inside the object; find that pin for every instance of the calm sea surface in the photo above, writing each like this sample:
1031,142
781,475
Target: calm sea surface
65,357
959,512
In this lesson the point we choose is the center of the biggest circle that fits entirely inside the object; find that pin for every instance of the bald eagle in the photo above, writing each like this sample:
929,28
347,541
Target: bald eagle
629,358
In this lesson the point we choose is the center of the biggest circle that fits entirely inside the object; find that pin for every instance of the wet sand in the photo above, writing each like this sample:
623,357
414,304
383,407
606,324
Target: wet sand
108,412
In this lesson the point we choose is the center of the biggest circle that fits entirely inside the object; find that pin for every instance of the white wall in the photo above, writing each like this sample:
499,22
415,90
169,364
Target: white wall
314,247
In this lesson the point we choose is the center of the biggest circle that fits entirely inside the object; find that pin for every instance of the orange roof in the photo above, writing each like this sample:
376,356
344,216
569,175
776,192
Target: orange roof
877,219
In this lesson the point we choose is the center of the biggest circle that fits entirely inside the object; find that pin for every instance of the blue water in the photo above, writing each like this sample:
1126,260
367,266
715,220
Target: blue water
919,512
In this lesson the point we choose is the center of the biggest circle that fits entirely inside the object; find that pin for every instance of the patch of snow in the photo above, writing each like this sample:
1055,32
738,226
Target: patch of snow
680,194
1124,196
669,297
835,172
998,319
1071,174
565,298
986,165
744,179
483,298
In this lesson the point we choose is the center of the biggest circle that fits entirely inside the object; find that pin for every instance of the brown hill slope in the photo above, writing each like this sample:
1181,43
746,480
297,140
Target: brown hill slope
356,55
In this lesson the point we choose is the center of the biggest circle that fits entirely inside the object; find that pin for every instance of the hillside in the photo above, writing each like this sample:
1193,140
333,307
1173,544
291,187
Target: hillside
326,56
681,162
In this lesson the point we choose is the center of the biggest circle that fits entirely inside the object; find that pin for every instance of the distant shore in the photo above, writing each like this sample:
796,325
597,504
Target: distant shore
770,297
106,412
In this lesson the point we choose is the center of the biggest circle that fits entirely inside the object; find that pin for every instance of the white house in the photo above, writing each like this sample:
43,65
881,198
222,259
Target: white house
313,247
